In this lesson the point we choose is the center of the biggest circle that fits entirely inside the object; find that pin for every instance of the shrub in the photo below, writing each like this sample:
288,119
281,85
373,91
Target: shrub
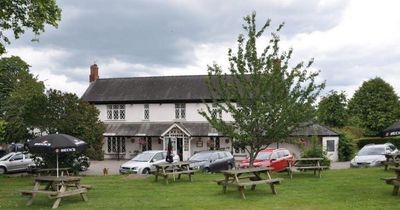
94,154
346,144
378,140
346,148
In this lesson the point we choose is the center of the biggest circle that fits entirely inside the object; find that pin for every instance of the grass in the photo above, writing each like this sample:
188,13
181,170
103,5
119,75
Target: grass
337,189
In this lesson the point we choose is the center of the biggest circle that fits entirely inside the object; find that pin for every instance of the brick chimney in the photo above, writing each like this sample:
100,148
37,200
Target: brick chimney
94,73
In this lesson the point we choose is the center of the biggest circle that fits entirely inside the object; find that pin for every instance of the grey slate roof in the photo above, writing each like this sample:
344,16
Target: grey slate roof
194,128
314,129
157,128
148,89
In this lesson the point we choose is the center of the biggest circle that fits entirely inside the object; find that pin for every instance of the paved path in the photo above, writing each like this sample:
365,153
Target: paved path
96,167
340,165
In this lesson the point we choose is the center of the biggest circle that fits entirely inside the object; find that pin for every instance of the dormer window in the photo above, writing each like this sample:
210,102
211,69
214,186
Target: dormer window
180,111
116,112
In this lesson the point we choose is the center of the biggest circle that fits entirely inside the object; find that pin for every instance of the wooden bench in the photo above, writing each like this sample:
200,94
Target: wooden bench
387,163
88,187
33,192
241,185
306,168
220,181
395,182
70,193
174,173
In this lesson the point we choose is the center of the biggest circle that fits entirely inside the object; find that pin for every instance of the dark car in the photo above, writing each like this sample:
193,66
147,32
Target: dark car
212,161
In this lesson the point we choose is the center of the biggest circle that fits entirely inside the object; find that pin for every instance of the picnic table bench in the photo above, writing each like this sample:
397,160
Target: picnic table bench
392,159
241,178
56,188
173,169
305,164
395,181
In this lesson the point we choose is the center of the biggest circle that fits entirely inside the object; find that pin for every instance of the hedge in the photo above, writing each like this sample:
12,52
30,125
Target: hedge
378,140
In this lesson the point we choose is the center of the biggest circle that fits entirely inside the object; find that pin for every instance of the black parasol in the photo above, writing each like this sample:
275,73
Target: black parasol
169,157
56,143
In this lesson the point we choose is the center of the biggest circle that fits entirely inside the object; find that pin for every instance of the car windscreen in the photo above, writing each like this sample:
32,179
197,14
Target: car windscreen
371,151
200,156
143,157
263,156
6,157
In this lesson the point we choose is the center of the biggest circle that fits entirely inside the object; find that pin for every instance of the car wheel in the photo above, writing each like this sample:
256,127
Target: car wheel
146,171
84,167
230,166
207,170
3,170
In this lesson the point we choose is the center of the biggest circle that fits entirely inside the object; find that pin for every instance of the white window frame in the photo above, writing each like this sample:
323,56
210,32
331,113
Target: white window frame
116,144
146,112
116,112
215,112
180,111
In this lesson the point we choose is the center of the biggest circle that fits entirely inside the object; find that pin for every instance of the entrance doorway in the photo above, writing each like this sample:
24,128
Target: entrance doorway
180,142
214,143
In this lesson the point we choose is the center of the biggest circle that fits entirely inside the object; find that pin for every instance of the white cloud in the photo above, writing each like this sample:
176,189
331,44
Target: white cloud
363,45
351,41
44,61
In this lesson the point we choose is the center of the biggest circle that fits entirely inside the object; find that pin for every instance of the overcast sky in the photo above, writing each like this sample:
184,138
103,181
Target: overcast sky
350,40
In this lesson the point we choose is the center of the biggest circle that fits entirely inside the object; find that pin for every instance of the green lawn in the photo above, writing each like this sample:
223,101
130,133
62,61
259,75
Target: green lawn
337,189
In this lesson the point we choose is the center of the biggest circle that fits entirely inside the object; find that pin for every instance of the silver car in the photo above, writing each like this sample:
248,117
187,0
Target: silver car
15,161
372,155
144,162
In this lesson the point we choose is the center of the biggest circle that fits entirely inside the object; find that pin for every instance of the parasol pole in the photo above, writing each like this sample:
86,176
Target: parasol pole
57,162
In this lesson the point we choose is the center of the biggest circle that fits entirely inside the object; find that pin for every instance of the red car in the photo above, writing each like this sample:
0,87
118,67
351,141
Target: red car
276,158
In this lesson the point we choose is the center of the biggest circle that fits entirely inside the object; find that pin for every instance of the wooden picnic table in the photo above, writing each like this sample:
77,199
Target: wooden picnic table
241,178
395,181
56,188
172,169
392,159
305,164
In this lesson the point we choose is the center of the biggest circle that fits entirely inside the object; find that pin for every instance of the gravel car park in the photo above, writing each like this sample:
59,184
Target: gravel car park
372,155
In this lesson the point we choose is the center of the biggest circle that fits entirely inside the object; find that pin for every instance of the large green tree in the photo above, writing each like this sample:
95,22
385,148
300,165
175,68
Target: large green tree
18,15
332,109
20,94
66,113
266,98
374,106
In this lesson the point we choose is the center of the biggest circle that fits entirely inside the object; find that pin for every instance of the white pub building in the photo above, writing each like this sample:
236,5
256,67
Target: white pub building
143,113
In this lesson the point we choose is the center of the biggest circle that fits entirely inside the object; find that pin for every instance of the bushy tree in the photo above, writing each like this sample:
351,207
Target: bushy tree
374,106
66,113
21,94
332,109
17,16
266,98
